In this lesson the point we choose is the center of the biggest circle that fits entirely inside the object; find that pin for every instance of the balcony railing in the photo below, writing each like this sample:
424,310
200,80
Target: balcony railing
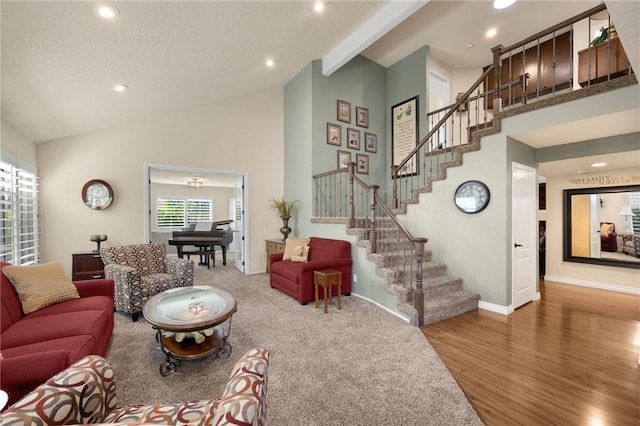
539,67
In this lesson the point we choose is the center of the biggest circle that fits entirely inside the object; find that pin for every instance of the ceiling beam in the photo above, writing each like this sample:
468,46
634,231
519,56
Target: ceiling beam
382,22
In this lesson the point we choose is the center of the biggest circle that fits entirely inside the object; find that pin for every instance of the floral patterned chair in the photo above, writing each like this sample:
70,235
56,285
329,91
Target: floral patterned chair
141,271
86,393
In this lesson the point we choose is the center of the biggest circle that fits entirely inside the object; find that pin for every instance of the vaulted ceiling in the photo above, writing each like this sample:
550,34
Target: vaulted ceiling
60,61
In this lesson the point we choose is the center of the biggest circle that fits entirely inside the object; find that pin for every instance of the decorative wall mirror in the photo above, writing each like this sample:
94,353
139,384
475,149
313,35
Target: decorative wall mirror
599,226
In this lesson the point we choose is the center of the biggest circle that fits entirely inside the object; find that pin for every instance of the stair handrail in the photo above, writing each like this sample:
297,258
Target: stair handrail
436,128
419,243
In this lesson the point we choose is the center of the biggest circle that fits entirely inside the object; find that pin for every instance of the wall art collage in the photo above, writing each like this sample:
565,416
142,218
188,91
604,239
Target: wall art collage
355,138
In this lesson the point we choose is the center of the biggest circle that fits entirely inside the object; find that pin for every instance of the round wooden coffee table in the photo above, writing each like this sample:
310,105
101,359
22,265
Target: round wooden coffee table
191,323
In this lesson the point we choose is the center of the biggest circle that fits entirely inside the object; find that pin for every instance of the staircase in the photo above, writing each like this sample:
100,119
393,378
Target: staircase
422,288
443,294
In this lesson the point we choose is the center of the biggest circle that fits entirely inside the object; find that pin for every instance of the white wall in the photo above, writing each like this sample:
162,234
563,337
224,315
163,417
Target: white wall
242,134
580,273
18,145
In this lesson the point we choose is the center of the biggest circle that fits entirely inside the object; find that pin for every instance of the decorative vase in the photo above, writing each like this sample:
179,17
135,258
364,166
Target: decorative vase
285,230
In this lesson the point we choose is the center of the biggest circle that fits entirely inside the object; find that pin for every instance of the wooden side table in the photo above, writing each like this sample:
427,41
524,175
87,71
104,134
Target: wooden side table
328,278
87,265
273,246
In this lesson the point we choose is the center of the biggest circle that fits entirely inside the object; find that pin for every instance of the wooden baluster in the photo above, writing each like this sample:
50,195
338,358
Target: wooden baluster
372,220
352,208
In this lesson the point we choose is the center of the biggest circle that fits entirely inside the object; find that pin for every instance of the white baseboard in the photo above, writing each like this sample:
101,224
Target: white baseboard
402,317
593,284
499,309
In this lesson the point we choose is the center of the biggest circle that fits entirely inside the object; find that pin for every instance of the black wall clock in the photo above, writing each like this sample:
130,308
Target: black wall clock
97,194
472,196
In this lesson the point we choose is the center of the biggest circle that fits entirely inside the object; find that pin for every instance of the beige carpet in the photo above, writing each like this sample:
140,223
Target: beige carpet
358,366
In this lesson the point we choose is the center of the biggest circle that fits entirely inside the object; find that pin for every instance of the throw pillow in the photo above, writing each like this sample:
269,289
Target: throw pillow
291,244
41,285
300,254
605,229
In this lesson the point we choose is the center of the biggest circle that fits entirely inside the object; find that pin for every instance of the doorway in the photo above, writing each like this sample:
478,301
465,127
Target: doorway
438,98
524,240
223,192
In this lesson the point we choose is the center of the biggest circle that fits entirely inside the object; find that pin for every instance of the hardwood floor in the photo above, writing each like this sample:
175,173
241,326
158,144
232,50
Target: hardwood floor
571,358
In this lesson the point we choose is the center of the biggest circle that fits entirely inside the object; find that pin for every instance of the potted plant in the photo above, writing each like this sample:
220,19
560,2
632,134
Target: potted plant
285,210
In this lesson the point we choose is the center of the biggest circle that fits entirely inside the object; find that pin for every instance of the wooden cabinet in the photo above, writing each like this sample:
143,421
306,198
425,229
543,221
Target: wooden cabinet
87,266
547,66
597,63
274,246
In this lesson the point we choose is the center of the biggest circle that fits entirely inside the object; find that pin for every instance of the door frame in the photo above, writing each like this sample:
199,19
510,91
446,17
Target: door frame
530,229
193,170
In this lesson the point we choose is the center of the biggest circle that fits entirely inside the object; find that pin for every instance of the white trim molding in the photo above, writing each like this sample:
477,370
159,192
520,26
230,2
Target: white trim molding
402,317
593,284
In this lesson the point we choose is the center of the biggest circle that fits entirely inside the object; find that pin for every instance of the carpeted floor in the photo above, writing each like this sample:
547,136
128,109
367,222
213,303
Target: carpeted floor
358,366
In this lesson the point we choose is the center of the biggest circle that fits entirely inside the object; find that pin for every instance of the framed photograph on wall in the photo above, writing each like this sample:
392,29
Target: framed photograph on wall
353,138
370,142
362,116
404,136
334,134
344,111
344,159
362,164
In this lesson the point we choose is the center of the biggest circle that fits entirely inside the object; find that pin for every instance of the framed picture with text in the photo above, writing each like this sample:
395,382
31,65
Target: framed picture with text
404,136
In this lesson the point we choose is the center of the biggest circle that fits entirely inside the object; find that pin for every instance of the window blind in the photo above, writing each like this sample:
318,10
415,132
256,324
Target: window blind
19,242
177,213
634,203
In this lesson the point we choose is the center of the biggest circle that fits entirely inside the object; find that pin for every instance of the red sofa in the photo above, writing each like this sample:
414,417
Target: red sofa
296,278
37,346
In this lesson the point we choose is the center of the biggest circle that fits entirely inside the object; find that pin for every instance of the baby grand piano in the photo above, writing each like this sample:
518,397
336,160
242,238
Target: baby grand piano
216,236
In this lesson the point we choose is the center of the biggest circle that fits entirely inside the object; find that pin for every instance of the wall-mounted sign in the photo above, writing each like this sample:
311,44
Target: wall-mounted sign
606,180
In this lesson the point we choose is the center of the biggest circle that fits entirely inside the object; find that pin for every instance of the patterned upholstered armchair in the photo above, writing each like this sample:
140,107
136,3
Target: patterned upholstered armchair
141,271
86,393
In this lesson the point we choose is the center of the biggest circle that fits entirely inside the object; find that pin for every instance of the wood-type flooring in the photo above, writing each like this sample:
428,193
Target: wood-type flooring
570,358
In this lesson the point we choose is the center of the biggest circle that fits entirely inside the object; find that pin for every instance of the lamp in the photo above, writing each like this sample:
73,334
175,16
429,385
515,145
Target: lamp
195,183
626,211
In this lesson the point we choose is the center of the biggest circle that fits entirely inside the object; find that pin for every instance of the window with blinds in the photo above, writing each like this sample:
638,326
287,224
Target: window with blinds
18,215
634,203
173,213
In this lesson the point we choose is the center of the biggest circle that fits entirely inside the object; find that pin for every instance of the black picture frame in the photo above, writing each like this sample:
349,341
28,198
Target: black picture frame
404,135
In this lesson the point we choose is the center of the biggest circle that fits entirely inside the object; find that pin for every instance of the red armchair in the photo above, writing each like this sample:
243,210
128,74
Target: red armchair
296,278
608,237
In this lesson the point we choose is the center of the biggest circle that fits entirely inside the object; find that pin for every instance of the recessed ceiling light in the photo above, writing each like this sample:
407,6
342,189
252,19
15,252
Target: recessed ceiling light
598,164
270,63
491,33
318,6
120,87
470,46
107,12
502,4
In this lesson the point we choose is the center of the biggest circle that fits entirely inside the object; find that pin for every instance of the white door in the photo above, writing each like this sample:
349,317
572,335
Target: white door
238,224
438,98
594,226
524,240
